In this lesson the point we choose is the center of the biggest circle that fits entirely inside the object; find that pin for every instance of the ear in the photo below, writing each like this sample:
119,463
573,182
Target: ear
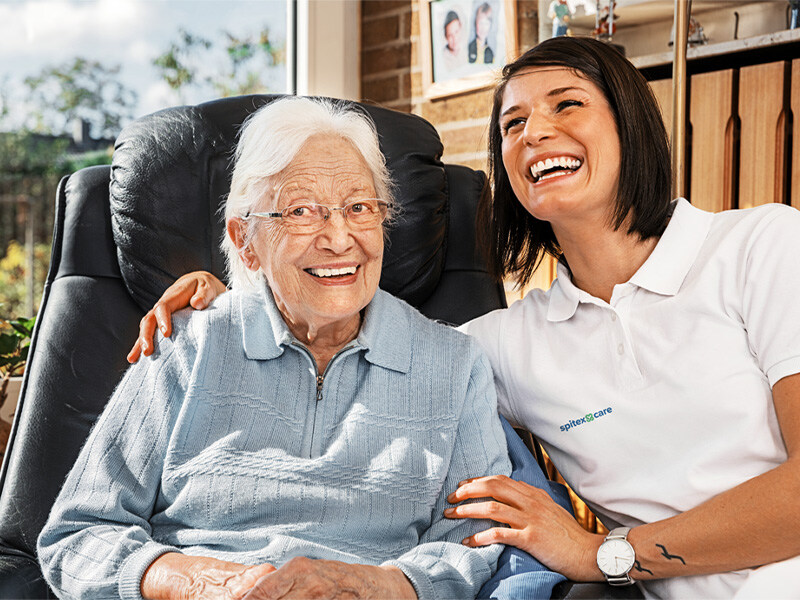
237,231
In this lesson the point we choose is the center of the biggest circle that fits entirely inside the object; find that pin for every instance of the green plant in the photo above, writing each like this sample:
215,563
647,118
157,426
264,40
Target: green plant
13,267
15,341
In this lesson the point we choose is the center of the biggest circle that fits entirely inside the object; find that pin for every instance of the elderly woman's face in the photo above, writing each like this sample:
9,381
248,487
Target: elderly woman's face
326,277
560,145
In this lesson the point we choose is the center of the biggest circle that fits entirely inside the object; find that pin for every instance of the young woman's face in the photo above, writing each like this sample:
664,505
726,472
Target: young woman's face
560,146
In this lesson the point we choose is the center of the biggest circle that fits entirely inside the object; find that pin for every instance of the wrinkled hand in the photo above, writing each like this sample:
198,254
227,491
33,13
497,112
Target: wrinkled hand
536,524
197,289
174,576
307,578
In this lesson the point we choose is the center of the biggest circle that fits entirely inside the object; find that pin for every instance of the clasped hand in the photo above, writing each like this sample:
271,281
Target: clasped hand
307,578
176,576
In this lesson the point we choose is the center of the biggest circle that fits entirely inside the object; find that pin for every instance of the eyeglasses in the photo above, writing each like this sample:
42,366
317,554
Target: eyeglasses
309,217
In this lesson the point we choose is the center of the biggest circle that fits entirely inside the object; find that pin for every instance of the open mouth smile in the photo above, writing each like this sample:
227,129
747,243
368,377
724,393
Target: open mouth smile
554,167
332,273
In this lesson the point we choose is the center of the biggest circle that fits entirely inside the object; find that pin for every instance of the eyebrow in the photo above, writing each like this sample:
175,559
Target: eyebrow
550,94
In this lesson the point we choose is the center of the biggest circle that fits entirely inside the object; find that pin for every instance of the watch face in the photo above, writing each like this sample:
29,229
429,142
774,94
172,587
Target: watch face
615,557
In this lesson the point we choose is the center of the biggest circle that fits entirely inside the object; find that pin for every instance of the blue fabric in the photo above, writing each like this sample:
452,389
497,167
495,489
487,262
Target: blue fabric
519,575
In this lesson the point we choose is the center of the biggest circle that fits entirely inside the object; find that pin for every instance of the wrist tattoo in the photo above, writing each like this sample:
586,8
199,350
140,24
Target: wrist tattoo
638,566
665,553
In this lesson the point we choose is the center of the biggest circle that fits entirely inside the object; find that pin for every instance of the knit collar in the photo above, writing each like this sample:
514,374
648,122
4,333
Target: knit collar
662,273
385,332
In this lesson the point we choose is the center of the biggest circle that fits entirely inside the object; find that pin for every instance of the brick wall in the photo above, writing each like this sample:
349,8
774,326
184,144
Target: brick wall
391,75
386,52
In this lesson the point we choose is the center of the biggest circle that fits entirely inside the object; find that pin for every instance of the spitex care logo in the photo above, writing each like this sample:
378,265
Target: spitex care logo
587,418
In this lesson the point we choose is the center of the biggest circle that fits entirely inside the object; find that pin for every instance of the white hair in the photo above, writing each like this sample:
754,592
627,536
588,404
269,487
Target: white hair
270,139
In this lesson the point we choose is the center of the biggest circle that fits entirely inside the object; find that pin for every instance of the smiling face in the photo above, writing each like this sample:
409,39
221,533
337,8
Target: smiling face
321,279
452,32
560,146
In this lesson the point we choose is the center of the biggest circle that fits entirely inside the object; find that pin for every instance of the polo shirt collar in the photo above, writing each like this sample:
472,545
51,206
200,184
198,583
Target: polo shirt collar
666,268
662,273
564,296
385,333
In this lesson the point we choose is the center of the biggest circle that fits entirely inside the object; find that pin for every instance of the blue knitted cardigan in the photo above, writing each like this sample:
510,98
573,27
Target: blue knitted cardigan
227,443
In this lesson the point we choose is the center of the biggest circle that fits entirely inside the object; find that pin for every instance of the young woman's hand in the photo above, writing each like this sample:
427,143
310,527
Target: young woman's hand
536,524
196,289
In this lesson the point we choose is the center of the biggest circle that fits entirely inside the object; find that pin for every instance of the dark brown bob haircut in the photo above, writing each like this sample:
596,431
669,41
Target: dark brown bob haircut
514,241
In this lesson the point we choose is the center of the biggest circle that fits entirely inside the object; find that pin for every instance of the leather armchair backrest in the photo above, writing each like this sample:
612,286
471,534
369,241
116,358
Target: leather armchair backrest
171,174
114,255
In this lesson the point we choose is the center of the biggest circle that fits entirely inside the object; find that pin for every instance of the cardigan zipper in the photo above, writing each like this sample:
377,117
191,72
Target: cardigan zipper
319,381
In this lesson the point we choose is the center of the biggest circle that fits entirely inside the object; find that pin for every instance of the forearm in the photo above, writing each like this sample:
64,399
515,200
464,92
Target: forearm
746,526
385,581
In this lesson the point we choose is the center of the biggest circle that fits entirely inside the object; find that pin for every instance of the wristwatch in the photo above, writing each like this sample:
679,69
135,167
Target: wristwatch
616,557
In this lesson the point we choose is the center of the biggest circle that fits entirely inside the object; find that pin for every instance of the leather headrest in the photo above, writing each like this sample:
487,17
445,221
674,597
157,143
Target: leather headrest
171,174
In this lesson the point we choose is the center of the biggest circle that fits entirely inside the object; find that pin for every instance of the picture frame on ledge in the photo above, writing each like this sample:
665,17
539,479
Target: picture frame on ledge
465,43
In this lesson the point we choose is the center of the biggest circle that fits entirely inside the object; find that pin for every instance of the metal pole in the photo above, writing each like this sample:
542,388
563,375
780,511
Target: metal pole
29,256
682,9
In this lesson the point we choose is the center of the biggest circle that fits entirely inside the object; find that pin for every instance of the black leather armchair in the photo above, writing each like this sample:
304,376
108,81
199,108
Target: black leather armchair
124,233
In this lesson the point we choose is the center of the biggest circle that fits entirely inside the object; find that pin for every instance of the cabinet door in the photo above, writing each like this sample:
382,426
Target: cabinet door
795,196
662,89
711,116
761,165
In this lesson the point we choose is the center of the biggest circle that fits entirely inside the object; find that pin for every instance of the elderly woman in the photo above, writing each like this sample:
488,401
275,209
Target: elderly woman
661,370
300,437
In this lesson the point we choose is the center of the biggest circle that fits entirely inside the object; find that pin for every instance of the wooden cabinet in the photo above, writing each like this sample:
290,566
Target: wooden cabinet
743,121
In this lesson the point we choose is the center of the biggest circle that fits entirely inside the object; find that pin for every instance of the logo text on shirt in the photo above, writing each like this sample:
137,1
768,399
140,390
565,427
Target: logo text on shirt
587,418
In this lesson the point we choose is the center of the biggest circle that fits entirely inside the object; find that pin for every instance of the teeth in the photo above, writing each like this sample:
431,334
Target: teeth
565,162
332,272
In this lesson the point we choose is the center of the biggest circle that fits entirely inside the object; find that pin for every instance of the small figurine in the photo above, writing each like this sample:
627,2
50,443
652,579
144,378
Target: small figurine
605,25
696,36
560,12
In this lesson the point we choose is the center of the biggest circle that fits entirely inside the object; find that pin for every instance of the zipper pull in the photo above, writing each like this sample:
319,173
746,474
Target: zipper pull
320,380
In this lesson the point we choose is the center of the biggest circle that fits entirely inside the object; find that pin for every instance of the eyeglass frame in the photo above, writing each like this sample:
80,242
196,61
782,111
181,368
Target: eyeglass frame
328,210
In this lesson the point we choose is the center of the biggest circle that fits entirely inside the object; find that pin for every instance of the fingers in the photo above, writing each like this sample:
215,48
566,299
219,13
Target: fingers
499,487
496,511
495,535
163,317
144,343
135,352
242,584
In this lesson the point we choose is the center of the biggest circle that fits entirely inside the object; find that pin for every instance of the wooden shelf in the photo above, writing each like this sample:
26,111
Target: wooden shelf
639,12
707,51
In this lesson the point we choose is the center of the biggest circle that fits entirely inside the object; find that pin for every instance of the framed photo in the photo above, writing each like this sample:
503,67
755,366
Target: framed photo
464,43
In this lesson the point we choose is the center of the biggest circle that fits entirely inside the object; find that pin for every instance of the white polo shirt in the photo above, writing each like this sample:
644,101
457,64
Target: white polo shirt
660,399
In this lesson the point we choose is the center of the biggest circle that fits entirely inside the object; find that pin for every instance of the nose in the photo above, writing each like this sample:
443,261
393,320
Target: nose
336,235
538,127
